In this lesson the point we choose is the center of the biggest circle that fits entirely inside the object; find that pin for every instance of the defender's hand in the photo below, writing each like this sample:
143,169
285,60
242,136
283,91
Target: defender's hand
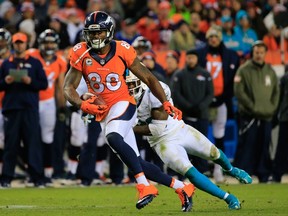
87,119
89,107
172,111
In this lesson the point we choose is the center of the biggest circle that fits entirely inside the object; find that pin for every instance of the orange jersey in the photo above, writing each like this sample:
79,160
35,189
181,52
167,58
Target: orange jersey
214,67
52,69
105,75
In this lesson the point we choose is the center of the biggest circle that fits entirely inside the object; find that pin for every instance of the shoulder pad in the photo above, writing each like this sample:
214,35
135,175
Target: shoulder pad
77,52
79,48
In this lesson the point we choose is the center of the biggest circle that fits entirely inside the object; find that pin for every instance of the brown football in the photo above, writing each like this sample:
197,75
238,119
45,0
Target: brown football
98,100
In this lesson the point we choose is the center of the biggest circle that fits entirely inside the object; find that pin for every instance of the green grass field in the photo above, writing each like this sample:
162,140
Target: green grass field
256,199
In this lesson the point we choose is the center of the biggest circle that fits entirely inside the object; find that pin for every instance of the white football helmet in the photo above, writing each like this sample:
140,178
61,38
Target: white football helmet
135,85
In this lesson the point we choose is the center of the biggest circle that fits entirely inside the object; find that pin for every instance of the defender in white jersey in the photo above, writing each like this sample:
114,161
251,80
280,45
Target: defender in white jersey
173,140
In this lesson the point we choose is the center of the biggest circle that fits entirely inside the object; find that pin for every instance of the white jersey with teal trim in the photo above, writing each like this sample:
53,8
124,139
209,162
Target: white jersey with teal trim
149,102
177,140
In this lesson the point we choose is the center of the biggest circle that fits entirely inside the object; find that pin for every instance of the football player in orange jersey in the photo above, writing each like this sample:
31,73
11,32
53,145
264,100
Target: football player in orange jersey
55,67
5,45
104,62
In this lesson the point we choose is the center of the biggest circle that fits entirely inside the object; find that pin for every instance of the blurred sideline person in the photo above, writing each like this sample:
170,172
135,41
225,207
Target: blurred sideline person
76,137
149,60
5,46
103,63
51,98
222,64
173,140
172,59
141,45
257,90
193,93
280,164
82,148
21,78
86,170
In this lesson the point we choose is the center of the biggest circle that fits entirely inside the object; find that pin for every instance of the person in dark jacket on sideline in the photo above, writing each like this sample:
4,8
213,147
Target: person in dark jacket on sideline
280,162
257,90
193,93
21,78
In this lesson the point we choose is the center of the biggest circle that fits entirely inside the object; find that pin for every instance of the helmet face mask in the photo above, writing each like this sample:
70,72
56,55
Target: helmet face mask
48,42
97,42
48,48
97,23
5,40
135,85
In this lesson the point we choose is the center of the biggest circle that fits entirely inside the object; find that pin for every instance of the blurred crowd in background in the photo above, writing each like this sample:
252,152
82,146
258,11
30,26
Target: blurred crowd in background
177,24
163,33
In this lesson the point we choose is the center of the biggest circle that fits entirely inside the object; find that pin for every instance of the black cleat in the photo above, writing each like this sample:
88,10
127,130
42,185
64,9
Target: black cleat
185,194
144,201
146,195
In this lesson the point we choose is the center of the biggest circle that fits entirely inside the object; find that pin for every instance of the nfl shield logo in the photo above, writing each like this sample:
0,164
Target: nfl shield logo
102,61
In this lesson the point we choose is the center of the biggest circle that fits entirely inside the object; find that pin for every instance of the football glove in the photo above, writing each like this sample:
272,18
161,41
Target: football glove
172,111
87,119
89,107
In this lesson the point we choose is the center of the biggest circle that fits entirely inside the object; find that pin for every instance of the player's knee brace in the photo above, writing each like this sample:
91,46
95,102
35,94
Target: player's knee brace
214,152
